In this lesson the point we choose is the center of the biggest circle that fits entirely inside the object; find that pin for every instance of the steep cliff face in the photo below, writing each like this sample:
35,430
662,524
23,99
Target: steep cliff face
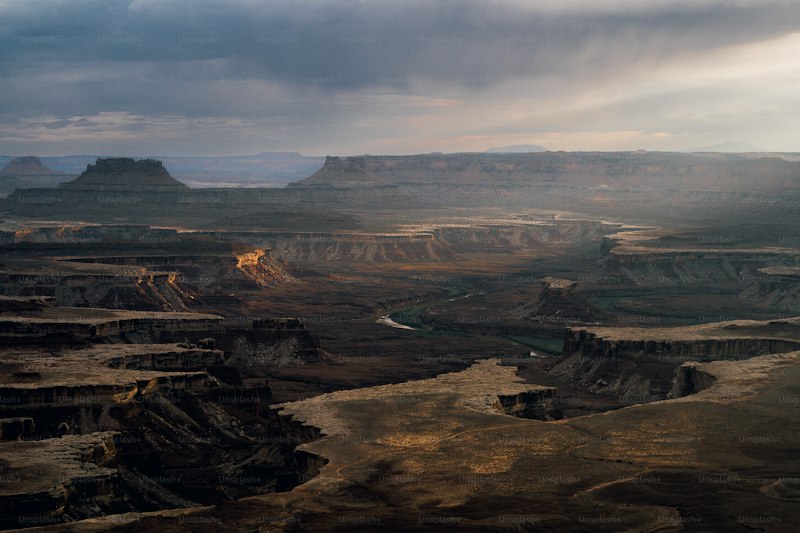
359,247
164,291
351,172
640,364
431,243
729,381
692,378
270,344
530,404
666,268
588,343
259,266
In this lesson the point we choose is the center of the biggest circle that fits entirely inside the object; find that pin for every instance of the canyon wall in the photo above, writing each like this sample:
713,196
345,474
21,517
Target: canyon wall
642,365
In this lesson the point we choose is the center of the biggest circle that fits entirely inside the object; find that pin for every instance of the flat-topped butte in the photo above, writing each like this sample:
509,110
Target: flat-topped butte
125,174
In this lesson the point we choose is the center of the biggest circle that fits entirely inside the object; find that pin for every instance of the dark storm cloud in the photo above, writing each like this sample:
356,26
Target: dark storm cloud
349,45
294,59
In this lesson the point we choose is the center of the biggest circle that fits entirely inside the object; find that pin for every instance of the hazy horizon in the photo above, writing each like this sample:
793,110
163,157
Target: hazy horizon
710,149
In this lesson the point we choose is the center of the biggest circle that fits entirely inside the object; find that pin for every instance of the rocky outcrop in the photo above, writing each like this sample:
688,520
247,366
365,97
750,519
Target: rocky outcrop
728,381
528,404
53,475
125,174
269,344
163,291
559,302
640,364
259,266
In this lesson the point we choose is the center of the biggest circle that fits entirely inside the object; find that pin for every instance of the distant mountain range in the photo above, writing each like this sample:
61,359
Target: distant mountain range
267,169
730,147
516,149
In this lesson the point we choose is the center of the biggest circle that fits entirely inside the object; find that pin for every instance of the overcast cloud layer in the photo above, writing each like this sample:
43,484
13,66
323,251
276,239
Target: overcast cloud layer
345,77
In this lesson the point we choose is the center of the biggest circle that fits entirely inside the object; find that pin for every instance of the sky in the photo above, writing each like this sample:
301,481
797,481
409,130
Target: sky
344,77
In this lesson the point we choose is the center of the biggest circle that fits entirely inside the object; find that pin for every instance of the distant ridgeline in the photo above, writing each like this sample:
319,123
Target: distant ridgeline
637,183
124,174
600,170
699,185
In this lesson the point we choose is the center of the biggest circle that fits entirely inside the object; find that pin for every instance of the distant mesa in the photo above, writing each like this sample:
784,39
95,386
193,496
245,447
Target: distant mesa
28,165
553,172
516,149
28,172
126,174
